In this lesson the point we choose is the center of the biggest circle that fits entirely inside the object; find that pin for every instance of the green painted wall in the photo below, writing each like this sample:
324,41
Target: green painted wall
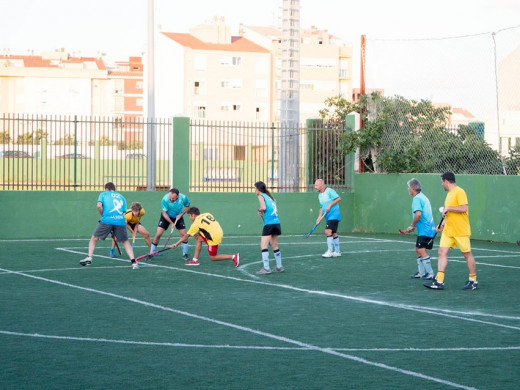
382,203
43,214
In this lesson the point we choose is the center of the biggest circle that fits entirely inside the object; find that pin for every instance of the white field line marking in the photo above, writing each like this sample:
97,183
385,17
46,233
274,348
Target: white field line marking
249,347
31,271
250,330
321,293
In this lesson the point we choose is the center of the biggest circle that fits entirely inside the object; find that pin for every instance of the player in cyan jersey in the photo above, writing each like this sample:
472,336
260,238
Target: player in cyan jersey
173,206
329,207
111,206
272,228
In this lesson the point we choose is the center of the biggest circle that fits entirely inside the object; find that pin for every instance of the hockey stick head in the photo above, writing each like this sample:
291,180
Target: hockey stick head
401,231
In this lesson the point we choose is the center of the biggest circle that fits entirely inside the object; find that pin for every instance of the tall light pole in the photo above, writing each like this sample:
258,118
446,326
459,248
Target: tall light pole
150,100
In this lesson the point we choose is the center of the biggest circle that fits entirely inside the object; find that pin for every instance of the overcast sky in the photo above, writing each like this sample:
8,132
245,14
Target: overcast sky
118,27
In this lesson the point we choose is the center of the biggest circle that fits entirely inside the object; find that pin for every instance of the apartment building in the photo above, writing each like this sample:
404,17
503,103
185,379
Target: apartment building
509,101
53,83
207,73
325,67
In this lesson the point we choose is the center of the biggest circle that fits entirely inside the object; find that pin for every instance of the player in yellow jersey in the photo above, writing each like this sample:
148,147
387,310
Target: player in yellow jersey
456,232
133,222
205,228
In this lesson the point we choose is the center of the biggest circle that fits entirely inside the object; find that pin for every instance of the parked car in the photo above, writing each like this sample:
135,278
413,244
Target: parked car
136,156
15,154
71,155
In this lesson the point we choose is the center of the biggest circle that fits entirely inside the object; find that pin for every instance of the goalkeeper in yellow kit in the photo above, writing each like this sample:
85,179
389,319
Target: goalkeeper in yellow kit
205,228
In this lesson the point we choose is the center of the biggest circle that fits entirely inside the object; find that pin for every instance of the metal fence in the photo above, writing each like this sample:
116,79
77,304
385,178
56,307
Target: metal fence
476,76
83,153
80,153
232,156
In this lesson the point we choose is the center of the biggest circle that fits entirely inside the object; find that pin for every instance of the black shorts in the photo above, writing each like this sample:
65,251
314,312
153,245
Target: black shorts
424,242
272,230
163,223
332,224
103,230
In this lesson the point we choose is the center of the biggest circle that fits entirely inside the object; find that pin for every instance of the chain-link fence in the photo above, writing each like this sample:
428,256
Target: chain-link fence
475,78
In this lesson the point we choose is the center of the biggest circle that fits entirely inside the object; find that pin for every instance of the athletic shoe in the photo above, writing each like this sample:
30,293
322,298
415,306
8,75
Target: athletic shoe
417,275
236,259
327,254
86,261
518,242
281,269
112,252
135,265
427,277
186,256
192,262
470,285
264,271
336,254
434,285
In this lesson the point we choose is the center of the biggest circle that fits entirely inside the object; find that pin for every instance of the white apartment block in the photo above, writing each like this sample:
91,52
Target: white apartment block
209,74
325,67
56,83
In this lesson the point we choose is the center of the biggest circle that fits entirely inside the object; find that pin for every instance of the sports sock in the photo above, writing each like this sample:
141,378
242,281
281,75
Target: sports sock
440,277
335,241
153,248
427,264
330,245
473,277
420,266
278,258
265,258
185,248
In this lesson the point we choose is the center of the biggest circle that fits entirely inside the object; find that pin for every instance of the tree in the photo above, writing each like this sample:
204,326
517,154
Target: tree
401,135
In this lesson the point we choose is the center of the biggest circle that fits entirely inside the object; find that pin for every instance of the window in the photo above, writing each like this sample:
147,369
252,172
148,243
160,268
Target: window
211,154
227,83
230,107
229,60
239,153
139,85
196,90
200,111
139,102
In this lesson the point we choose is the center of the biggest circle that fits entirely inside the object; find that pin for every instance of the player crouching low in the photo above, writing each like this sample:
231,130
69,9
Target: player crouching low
205,228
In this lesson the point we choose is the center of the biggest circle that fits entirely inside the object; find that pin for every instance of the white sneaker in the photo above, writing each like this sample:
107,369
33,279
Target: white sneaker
327,254
336,254
135,265
86,261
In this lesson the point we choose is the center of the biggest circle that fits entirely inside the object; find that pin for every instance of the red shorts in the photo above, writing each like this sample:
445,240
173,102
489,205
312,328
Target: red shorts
212,249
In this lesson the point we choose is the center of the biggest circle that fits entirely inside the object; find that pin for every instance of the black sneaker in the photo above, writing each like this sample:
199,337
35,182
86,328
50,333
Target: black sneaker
470,285
434,285
186,256
416,275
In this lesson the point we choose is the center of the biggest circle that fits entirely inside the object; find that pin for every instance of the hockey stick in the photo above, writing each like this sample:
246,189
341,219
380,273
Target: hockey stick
117,245
169,236
307,235
151,254
438,227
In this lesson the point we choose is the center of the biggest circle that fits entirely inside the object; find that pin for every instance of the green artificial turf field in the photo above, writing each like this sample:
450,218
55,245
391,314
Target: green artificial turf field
356,322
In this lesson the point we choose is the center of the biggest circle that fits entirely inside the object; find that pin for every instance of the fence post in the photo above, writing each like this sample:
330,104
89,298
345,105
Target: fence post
351,124
312,127
181,153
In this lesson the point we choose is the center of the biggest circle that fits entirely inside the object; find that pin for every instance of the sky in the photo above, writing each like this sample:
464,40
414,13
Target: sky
118,27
